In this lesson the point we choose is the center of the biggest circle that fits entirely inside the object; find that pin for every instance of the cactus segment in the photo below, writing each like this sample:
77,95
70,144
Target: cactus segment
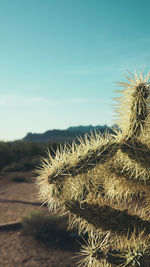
134,108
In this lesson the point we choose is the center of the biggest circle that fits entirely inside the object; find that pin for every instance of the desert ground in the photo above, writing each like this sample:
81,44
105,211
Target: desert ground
18,199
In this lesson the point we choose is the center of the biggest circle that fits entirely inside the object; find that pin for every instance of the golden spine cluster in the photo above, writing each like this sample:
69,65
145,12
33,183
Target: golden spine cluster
103,184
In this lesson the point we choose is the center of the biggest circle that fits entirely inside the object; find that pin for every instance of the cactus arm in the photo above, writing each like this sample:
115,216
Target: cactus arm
134,108
80,160
102,251
105,216
137,151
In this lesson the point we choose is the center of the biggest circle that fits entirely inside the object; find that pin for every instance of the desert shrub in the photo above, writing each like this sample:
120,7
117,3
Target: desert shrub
15,166
6,154
49,229
26,164
20,178
22,156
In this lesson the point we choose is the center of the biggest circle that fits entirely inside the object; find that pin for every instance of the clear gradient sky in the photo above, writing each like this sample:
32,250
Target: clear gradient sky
59,59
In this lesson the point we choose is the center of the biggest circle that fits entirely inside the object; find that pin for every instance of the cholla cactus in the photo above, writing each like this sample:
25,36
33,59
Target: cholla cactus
103,183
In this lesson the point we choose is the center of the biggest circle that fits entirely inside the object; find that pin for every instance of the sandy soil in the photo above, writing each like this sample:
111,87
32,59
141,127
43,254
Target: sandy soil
17,250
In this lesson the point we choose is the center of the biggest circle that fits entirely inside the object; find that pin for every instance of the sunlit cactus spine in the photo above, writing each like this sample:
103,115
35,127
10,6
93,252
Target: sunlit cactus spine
103,184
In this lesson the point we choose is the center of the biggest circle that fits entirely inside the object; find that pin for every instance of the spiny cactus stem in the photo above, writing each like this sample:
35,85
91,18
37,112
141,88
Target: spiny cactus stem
136,151
139,109
123,258
86,163
107,218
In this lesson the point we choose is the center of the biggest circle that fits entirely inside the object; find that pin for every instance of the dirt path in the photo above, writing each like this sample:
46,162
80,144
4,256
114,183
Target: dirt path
13,211
17,250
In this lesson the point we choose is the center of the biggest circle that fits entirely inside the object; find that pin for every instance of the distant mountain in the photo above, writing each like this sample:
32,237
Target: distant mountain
87,128
66,135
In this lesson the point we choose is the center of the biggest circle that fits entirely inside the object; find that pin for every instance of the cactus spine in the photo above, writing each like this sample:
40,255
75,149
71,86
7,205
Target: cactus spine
103,184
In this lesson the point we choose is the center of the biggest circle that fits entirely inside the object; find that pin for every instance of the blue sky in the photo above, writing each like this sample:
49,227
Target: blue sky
59,60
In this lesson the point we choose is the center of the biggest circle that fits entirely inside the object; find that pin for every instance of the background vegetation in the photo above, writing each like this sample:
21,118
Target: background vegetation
22,156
